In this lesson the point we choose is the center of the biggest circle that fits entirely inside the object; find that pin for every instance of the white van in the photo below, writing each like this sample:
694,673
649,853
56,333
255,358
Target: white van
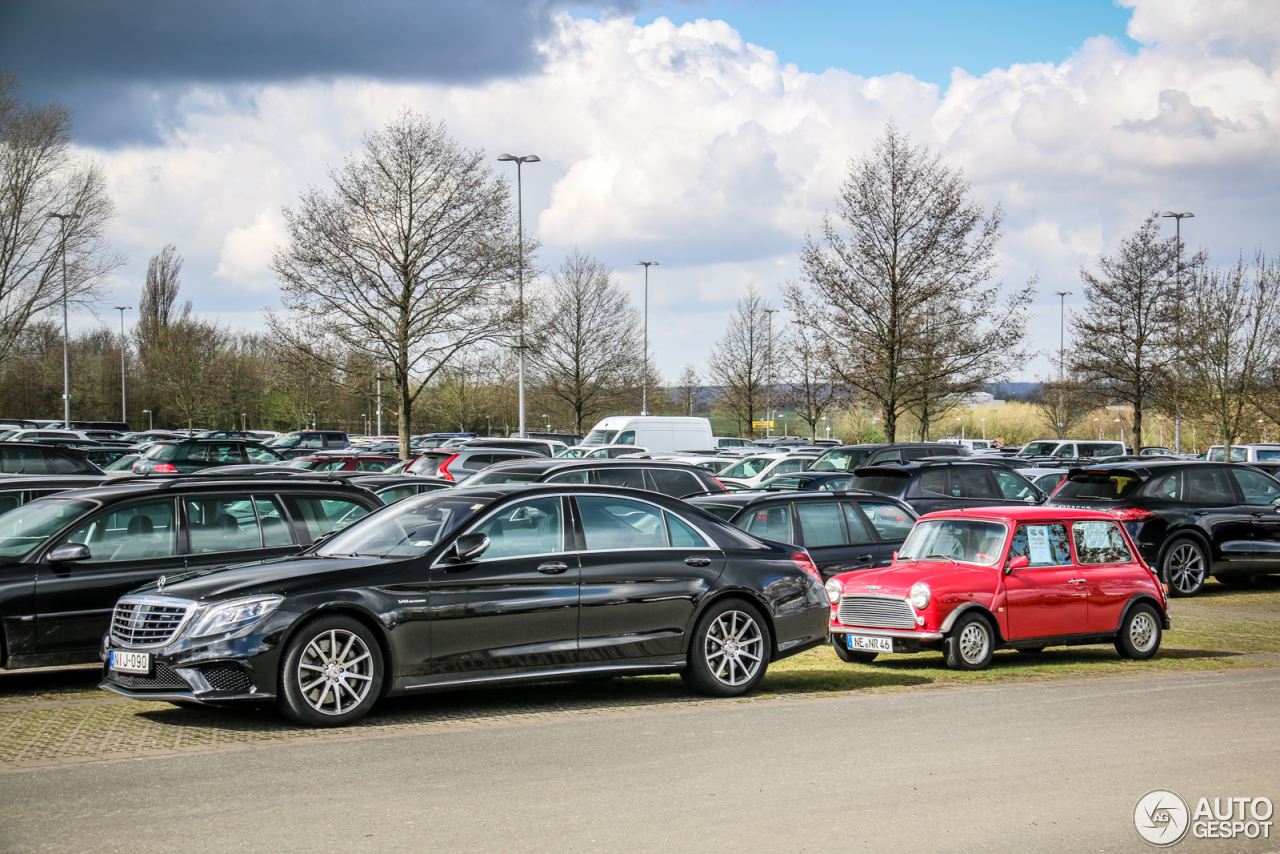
655,432
1254,452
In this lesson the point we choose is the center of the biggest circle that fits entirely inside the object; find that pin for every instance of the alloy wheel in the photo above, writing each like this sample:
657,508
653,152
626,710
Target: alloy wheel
974,642
1142,631
1186,568
335,672
734,648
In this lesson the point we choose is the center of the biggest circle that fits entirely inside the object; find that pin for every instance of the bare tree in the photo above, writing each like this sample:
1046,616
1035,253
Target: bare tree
158,308
407,259
39,177
1236,341
807,386
587,354
1125,339
687,388
1062,404
187,363
740,365
896,297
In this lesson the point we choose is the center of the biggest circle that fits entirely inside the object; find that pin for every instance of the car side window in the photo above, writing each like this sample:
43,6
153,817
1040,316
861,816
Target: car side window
788,466
397,493
197,453
23,461
1207,486
533,527
618,523
310,443
371,465
786,483
59,464
222,523
275,530
1257,488
890,521
1066,450
857,528
682,535
675,483
626,437
1014,488
478,461
10,500
935,481
132,532
836,484
324,515
1169,487
821,524
772,523
570,477
633,478
1042,545
260,455
1099,542
972,483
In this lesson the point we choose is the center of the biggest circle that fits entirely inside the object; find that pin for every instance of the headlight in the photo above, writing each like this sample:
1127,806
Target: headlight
233,615
834,590
920,595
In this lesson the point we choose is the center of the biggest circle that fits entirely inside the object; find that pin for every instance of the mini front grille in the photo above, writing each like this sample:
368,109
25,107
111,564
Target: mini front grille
162,676
881,612
147,621
227,677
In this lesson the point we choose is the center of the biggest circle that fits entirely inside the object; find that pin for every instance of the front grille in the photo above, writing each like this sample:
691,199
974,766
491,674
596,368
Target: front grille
147,621
227,677
881,612
162,676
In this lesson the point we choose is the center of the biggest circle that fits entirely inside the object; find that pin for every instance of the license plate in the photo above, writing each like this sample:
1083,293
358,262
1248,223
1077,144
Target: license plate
123,661
869,644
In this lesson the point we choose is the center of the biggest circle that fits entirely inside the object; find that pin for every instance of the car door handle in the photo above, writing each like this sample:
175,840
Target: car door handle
552,568
698,560
1258,515
1078,581
865,558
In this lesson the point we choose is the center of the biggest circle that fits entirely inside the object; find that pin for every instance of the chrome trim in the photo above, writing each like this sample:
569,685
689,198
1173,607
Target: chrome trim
171,696
886,633
896,600
190,608
547,674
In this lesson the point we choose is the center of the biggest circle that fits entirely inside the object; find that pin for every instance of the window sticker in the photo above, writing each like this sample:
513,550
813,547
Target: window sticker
1038,545
1097,536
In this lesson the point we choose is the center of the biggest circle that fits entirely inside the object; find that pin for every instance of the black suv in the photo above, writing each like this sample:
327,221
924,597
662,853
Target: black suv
850,457
191,455
842,532
1189,519
34,458
674,479
66,559
932,485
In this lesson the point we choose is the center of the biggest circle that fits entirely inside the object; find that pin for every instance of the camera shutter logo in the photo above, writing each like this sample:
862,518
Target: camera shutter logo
1161,817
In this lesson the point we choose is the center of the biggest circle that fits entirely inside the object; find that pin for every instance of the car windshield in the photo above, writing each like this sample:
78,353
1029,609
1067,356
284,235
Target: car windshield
1098,486
841,460
23,528
1038,449
750,467
955,540
284,441
887,484
125,463
406,529
600,437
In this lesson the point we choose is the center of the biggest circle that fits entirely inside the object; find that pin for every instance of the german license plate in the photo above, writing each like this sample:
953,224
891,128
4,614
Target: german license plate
869,644
123,661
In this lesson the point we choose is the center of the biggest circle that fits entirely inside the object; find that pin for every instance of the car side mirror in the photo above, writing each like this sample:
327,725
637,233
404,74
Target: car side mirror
1019,562
468,547
895,557
69,553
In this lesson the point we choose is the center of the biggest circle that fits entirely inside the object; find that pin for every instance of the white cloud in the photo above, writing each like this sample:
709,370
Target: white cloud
688,145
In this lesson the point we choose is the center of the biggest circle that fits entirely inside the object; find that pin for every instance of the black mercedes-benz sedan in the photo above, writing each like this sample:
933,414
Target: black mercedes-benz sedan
469,586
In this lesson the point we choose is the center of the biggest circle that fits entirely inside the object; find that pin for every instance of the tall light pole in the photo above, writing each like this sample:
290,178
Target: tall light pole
644,382
379,403
520,161
123,347
768,363
244,422
1177,396
66,336
151,421
1062,349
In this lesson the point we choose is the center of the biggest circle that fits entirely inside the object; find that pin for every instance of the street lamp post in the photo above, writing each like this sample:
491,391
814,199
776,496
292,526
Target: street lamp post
984,429
826,424
768,361
244,422
124,345
1264,429
151,421
1121,423
520,161
66,336
312,416
1099,423
547,420
644,382
961,420
1062,345
1177,400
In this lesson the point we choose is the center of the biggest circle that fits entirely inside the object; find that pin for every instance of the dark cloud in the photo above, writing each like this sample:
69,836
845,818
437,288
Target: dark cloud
122,64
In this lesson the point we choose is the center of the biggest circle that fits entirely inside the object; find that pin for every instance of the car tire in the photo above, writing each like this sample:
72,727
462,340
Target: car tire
321,688
730,650
970,643
1140,633
1185,567
851,656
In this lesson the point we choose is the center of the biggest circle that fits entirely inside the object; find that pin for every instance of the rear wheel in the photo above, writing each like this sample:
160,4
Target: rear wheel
851,656
730,650
331,673
1185,567
1139,636
970,644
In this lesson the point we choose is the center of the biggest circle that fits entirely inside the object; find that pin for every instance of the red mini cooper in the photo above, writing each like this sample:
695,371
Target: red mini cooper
969,582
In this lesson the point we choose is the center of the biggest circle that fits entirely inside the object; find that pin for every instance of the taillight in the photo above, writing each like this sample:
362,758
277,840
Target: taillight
165,468
442,471
1131,514
802,560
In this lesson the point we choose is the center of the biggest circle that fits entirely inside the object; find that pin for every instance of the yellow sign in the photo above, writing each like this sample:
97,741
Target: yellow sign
762,425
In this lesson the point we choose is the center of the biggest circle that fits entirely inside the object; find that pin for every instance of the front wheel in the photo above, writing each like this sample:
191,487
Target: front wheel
730,650
1139,635
851,656
331,673
970,644
1185,567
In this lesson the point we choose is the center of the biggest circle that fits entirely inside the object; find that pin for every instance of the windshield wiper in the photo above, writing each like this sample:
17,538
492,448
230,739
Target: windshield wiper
939,554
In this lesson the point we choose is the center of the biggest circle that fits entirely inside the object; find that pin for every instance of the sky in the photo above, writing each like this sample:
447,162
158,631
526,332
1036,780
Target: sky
709,136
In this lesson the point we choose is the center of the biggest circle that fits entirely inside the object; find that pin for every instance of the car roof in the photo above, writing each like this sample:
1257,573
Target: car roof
931,462
1014,513
542,464
123,487
747,497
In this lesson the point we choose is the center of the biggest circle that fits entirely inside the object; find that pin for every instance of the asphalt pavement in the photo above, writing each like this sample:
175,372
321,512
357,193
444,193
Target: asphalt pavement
1050,767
